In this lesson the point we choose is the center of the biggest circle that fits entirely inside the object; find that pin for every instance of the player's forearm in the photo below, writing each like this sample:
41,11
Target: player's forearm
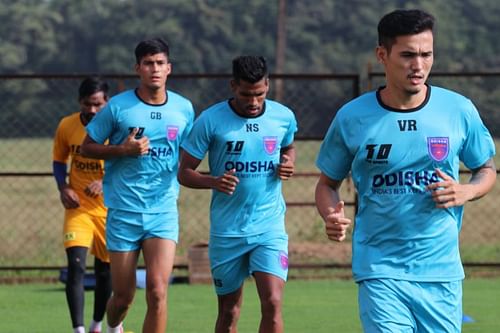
194,179
326,199
290,152
482,180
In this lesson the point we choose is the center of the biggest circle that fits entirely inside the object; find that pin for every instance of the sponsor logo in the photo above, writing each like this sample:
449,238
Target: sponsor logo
140,132
270,144
378,154
160,151
234,147
405,178
172,132
90,166
253,166
283,257
69,236
218,283
438,148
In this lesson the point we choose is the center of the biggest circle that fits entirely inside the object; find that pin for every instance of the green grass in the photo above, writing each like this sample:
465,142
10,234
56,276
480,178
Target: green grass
309,306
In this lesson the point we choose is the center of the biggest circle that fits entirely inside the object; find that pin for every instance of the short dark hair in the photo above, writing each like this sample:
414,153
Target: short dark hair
151,46
91,85
249,68
401,23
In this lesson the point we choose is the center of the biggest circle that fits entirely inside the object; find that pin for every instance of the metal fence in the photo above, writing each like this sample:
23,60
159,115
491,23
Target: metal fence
31,215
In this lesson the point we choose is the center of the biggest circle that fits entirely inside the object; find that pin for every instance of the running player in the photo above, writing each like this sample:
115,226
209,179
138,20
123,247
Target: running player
403,144
85,214
249,140
144,127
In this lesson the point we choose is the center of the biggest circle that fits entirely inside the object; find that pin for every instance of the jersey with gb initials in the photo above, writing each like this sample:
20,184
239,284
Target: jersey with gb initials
251,146
148,182
392,155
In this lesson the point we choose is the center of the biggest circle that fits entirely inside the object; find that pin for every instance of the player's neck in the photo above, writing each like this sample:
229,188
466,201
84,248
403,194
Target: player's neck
152,96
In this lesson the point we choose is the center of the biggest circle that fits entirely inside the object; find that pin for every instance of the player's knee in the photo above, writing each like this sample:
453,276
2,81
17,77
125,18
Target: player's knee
271,304
122,302
156,296
76,269
231,312
102,271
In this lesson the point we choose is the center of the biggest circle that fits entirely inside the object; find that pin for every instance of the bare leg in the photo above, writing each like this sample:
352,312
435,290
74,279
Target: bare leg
270,289
159,259
229,311
123,266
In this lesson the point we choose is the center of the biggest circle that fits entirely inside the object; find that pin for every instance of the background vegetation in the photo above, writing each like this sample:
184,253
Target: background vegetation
321,36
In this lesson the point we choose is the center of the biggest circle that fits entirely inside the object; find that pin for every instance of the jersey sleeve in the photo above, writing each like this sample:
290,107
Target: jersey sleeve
334,158
478,146
60,151
189,124
199,138
290,134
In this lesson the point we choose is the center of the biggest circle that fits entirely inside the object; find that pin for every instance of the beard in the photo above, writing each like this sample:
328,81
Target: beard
86,117
413,91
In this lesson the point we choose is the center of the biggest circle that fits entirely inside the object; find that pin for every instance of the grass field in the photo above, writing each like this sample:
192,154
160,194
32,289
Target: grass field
318,306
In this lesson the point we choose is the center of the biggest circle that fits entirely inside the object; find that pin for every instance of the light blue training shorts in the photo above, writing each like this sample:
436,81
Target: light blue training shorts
125,231
233,259
387,305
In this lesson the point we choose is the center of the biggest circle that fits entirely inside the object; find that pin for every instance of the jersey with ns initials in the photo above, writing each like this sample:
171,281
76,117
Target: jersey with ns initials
392,155
251,146
145,183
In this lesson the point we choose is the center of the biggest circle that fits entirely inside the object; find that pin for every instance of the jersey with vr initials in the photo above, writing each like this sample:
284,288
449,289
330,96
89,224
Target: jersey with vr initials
146,183
393,154
250,146
82,171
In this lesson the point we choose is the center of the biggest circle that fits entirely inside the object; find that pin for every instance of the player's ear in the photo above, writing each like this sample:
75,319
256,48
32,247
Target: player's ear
381,54
233,85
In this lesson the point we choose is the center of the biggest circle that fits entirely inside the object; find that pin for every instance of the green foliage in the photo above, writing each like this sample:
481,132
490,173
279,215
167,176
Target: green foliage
28,35
60,36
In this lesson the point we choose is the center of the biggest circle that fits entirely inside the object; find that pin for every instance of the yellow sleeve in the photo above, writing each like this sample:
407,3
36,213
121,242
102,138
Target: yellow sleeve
61,149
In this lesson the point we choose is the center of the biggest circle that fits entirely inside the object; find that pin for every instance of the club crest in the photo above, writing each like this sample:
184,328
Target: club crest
172,132
283,260
438,148
270,144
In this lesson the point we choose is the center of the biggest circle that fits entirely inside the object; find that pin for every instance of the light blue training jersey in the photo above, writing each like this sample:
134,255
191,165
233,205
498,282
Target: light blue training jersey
398,232
252,147
148,183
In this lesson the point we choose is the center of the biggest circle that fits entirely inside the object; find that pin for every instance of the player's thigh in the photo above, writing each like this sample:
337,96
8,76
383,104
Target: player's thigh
269,287
438,307
123,273
78,228
383,308
270,255
159,257
229,263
